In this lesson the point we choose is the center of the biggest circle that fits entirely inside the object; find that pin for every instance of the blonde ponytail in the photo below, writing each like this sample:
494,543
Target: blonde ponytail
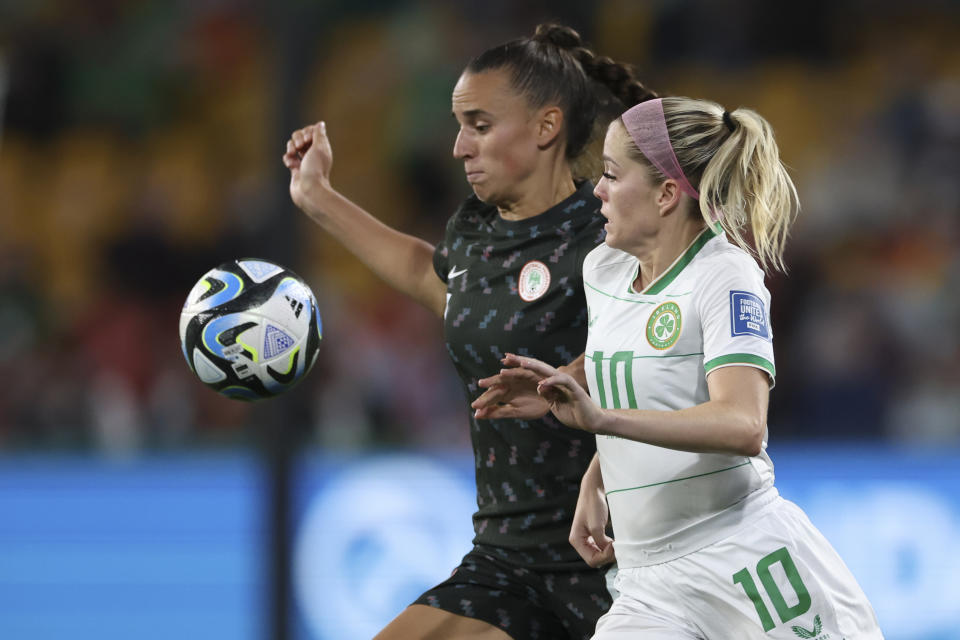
746,183
734,162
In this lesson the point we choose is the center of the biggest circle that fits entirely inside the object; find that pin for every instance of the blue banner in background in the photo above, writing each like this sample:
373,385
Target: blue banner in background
176,547
149,549
894,517
373,533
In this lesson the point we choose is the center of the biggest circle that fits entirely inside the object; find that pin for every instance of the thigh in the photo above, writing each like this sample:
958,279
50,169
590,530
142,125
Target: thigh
523,603
631,617
421,622
778,579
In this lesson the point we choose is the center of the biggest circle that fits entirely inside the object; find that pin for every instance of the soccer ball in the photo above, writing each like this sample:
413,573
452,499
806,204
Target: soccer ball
250,329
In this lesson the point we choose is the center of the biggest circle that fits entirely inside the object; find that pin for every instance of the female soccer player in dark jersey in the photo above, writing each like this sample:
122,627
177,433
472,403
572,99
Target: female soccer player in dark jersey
507,277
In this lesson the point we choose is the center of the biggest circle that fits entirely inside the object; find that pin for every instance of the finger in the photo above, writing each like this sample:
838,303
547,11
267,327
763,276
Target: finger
586,549
485,383
497,412
520,374
602,557
511,360
600,537
303,138
320,137
291,158
317,133
487,413
550,394
493,412
561,380
537,366
488,397
598,555
501,412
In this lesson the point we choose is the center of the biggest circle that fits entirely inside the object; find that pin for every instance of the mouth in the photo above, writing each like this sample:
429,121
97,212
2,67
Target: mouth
473,176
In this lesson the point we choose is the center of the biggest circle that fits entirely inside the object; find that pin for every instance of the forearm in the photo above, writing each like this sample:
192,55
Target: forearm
401,260
711,427
592,477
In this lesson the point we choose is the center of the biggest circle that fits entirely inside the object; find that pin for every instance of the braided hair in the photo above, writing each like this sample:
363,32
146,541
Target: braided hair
555,67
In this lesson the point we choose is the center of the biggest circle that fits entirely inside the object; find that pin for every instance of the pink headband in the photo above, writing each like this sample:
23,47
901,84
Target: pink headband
647,126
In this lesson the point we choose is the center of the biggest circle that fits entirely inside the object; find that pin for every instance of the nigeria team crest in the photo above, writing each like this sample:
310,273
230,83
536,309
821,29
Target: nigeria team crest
534,280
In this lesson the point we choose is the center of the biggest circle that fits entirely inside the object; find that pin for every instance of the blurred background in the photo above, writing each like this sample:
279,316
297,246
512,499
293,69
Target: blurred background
140,146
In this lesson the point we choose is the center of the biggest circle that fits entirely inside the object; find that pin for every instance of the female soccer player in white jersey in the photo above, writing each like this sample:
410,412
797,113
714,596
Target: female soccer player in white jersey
679,363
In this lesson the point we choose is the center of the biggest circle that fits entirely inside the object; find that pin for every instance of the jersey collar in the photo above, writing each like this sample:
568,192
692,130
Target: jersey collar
685,258
577,202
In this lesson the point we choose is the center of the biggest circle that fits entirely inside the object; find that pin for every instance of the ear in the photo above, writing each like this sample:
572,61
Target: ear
668,197
549,121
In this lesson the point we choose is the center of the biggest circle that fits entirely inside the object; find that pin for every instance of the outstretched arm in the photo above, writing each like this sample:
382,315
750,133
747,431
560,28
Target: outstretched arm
401,260
733,420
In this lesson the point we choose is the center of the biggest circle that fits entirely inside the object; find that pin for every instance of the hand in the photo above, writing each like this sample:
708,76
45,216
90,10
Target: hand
588,533
568,401
309,157
510,394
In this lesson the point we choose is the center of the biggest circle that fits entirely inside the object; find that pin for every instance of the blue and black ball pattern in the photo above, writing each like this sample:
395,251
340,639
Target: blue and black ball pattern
240,295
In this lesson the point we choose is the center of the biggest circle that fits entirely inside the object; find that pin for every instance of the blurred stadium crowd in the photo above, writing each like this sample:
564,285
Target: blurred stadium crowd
141,145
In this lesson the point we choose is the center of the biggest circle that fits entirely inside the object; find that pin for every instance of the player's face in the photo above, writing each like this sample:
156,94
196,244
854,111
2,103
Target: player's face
497,136
628,195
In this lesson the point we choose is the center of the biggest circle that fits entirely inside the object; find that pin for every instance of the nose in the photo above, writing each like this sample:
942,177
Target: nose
601,189
462,148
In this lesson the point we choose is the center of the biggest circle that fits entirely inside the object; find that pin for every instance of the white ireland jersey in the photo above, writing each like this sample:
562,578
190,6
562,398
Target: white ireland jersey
654,350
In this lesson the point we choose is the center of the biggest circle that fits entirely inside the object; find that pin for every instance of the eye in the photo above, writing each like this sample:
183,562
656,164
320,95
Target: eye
482,128
608,176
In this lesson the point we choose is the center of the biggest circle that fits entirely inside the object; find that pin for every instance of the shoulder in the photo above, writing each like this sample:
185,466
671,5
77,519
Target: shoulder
725,274
721,260
604,258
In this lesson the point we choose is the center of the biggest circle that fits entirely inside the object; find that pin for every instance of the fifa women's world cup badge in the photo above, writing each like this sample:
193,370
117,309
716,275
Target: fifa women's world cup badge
663,327
534,281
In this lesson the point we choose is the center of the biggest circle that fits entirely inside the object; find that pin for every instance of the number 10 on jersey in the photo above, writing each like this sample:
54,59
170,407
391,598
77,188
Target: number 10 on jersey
782,557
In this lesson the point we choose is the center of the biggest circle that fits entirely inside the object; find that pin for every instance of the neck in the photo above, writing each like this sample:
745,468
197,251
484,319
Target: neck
670,243
539,194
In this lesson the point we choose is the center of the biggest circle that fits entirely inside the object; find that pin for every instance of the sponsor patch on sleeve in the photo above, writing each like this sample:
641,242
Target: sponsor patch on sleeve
748,317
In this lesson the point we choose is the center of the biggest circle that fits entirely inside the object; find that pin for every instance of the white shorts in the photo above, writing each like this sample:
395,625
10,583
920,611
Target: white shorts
776,578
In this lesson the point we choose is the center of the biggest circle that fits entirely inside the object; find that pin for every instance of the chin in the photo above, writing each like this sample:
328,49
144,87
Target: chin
611,240
484,194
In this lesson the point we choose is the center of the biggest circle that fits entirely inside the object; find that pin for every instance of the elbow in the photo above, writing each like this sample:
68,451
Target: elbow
752,437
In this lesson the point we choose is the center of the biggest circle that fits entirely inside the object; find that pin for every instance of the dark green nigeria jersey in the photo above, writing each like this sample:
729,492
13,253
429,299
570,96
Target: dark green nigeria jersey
517,287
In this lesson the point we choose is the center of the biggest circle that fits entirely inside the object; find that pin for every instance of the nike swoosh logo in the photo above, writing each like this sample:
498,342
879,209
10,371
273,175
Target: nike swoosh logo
454,273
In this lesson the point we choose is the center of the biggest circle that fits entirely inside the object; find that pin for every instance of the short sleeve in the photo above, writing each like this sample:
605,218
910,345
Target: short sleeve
734,308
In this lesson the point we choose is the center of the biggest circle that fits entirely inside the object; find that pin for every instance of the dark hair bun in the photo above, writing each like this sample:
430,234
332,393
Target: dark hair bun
558,35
